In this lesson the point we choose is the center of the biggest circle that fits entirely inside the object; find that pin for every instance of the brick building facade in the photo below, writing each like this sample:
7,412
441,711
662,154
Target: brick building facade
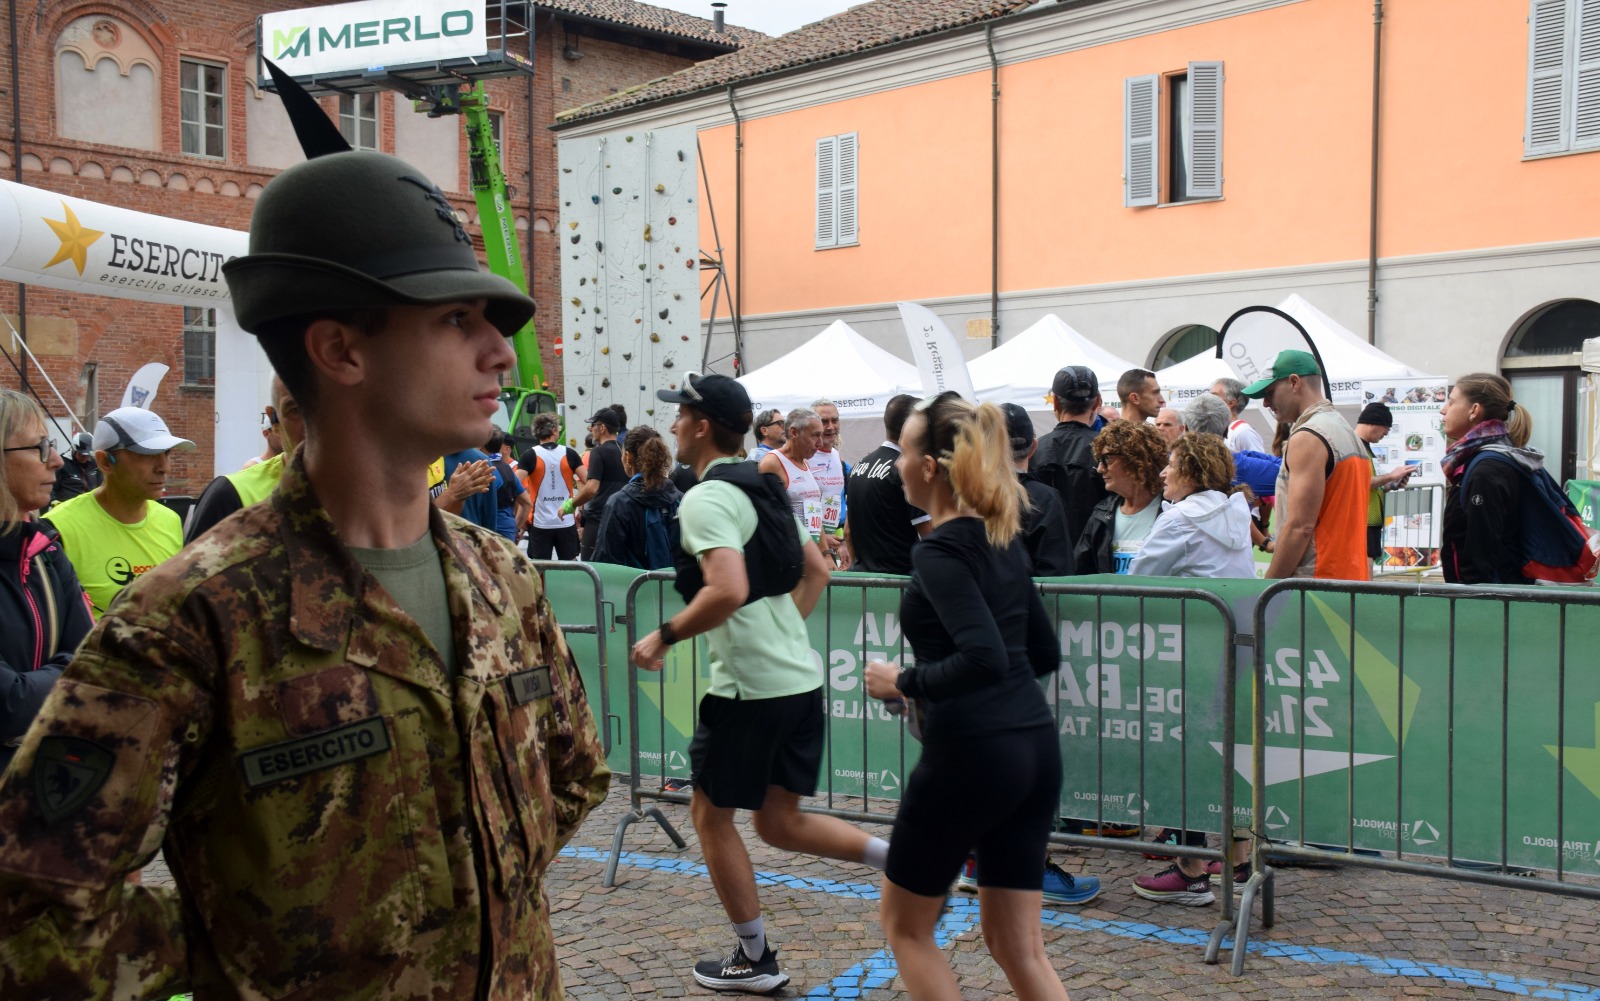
154,108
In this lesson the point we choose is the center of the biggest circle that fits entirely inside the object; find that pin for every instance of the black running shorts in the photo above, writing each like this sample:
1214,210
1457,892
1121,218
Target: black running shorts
742,746
996,794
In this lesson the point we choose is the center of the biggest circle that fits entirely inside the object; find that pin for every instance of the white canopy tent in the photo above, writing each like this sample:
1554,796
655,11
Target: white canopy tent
1020,370
839,364
1187,379
1349,360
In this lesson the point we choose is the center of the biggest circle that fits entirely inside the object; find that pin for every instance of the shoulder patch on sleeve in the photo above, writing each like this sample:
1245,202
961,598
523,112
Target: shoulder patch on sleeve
67,772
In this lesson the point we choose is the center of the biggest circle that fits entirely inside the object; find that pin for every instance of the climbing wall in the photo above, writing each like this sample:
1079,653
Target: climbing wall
630,272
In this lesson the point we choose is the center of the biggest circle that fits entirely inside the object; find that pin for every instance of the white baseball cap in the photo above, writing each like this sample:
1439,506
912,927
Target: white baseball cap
137,430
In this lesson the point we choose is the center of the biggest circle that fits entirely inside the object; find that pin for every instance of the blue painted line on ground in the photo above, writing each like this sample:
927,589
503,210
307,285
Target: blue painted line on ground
879,969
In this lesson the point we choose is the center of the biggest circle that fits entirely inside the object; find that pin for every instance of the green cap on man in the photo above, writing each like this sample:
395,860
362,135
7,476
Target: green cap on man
1286,364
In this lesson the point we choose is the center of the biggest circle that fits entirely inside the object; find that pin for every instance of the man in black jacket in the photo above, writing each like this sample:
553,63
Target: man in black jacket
1044,523
1064,458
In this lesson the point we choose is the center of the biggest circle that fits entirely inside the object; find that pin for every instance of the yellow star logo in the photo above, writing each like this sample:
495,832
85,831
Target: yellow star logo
75,240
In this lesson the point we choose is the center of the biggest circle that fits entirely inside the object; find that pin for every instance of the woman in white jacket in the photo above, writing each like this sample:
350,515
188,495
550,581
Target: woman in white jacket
1204,529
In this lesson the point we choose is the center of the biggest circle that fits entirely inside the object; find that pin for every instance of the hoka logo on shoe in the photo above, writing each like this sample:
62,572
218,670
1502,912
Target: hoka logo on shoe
737,969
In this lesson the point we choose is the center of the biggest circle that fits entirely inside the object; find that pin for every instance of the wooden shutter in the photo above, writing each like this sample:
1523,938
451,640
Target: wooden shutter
1203,142
846,188
1547,130
1141,121
1586,91
827,187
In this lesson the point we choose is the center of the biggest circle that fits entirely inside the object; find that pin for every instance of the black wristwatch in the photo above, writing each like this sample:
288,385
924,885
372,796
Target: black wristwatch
668,635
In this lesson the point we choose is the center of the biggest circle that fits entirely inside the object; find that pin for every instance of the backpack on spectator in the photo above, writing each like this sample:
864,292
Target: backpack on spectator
1559,547
773,559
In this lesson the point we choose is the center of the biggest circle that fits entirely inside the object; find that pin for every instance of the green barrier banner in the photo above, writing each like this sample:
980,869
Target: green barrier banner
1462,728
1140,702
1390,723
1585,495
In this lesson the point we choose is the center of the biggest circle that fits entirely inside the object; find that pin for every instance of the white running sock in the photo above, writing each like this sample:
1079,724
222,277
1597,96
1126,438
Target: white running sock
877,853
752,938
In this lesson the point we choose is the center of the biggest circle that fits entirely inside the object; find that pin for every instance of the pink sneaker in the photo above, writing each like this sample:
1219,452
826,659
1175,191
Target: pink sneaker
1171,886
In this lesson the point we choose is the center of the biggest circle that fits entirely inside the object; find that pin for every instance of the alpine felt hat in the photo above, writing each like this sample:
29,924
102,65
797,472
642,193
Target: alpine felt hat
360,230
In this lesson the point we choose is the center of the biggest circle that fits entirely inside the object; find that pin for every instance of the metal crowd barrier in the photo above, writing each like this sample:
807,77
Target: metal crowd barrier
868,754
1415,516
1394,723
1160,653
598,630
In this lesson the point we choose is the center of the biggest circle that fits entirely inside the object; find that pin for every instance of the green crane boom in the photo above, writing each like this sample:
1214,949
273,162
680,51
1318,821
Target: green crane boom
530,396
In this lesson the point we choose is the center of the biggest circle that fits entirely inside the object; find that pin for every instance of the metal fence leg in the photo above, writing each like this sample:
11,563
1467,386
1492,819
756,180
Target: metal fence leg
1260,880
628,819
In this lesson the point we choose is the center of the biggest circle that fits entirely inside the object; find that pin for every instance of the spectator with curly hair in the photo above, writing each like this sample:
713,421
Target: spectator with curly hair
1205,528
1129,456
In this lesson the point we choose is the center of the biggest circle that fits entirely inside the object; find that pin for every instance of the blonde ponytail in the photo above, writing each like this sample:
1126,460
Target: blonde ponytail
979,468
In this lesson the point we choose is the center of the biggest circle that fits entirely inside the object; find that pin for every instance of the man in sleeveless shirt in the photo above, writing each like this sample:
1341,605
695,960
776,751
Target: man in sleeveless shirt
553,472
792,465
1322,486
829,469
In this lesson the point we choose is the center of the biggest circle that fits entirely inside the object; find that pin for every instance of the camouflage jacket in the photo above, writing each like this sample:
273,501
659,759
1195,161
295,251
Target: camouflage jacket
342,820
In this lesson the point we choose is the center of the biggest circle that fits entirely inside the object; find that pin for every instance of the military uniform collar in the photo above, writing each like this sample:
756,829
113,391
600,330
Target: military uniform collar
326,584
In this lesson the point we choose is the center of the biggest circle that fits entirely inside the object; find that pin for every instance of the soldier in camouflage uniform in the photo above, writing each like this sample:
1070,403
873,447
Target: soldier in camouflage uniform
358,771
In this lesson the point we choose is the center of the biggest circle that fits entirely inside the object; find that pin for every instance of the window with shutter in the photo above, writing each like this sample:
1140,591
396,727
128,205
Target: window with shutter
1140,154
1547,84
1586,87
1563,77
1203,140
846,188
836,191
827,168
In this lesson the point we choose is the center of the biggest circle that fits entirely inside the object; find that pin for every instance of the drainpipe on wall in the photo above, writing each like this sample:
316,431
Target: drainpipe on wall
994,188
736,294
16,167
1372,221
533,178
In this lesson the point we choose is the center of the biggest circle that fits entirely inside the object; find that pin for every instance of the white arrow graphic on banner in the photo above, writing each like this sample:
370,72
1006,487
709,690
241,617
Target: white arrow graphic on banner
1284,763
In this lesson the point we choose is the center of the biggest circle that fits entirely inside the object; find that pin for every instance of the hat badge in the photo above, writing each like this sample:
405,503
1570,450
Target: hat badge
441,207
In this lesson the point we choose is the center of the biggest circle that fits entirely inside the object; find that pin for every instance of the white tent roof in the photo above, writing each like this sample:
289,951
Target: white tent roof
838,363
1346,356
1348,359
1188,379
1020,370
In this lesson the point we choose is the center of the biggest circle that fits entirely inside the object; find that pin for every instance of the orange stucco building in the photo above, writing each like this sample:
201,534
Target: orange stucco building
1143,168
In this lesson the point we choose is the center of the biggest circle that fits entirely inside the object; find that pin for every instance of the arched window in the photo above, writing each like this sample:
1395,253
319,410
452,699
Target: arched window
1542,362
107,87
1183,344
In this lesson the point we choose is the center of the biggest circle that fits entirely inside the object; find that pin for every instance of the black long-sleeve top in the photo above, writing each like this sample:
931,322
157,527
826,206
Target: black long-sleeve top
980,634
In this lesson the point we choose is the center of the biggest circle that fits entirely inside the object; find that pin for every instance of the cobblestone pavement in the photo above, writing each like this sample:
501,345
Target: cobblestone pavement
1340,933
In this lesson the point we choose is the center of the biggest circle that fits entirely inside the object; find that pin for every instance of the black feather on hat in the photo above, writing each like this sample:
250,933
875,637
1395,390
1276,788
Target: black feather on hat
356,230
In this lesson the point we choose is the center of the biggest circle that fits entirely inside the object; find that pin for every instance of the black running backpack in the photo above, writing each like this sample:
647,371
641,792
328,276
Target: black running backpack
773,559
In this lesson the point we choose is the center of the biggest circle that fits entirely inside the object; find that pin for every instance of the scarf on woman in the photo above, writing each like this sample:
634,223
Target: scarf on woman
1454,463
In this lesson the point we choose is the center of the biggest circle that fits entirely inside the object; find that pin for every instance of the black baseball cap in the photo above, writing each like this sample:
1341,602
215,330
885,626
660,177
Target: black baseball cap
718,398
1075,382
608,417
1019,426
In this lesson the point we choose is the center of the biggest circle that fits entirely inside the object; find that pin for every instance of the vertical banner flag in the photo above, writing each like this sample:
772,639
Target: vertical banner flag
936,352
141,390
1253,336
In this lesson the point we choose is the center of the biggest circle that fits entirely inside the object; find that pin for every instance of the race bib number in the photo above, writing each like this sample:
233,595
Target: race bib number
813,515
830,511
1122,556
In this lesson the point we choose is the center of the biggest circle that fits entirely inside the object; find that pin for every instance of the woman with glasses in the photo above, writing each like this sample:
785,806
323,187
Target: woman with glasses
1129,458
43,614
981,637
